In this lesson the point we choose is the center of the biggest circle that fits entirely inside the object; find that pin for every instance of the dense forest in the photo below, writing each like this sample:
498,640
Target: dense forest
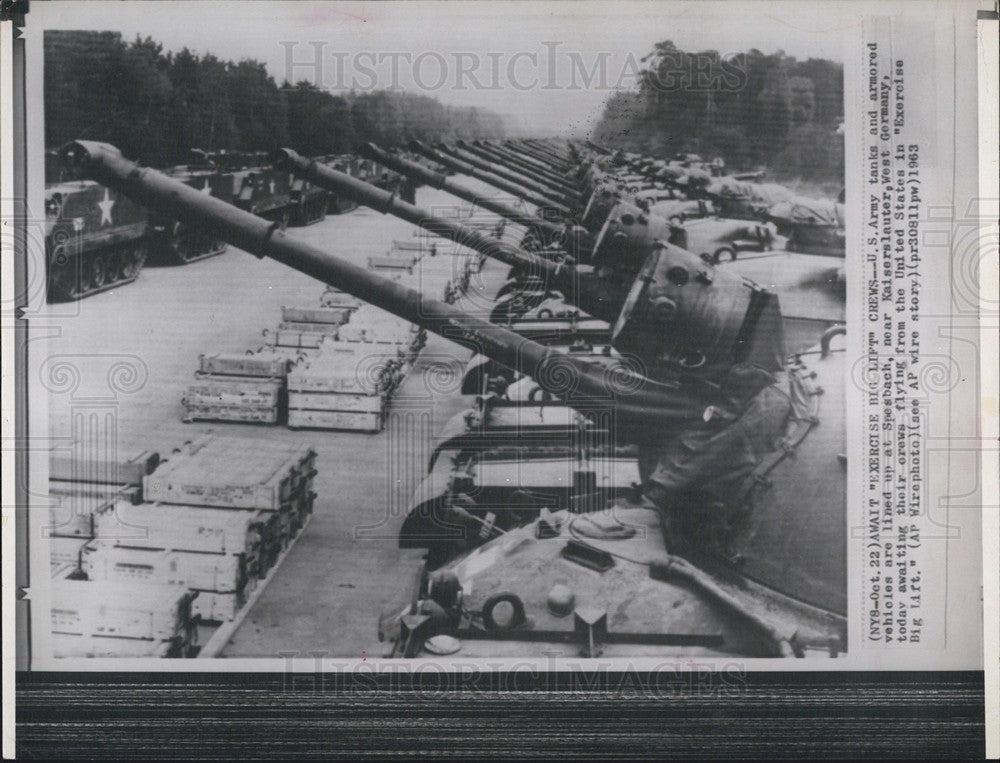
753,110
156,105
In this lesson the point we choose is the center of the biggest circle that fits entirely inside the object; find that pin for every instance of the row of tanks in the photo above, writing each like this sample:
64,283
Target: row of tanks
651,462
97,239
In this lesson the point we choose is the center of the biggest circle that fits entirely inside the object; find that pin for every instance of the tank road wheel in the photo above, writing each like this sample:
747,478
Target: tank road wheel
98,271
132,261
113,267
63,275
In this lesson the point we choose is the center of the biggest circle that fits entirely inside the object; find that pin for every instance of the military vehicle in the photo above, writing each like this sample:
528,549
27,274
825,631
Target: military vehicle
348,164
309,203
95,239
748,442
174,243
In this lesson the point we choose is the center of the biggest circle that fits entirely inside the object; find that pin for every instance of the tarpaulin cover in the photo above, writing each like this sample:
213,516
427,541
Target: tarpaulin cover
816,212
712,459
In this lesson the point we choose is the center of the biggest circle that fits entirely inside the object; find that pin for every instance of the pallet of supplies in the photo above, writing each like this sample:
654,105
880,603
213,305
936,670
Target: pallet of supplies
233,472
262,363
345,386
193,529
336,298
249,399
403,261
223,576
126,619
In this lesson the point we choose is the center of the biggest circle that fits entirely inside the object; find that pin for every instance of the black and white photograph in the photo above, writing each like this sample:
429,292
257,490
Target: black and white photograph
367,335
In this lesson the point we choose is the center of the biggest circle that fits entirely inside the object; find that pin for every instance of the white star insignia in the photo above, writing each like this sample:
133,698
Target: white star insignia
106,207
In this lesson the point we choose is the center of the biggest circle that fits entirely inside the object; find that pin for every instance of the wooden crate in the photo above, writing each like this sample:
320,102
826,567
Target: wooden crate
243,414
331,315
104,561
65,552
70,468
71,646
356,422
97,492
72,516
216,607
308,340
259,363
369,371
337,401
126,610
392,262
172,527
327,329
248,391
338,299
231,472
415,246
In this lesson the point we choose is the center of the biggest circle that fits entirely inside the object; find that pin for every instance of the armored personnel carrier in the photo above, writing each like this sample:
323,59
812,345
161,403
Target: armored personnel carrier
174,243
95,239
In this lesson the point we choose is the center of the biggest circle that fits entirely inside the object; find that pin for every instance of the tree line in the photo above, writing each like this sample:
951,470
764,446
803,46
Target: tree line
753,110
156,105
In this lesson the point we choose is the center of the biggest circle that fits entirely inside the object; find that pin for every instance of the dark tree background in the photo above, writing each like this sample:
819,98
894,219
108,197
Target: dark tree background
155,106
751,109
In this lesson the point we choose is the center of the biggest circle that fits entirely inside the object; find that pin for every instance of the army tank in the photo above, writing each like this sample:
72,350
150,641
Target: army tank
782,590
95,239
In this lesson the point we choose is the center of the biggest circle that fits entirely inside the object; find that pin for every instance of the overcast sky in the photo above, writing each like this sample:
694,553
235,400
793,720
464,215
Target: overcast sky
532,60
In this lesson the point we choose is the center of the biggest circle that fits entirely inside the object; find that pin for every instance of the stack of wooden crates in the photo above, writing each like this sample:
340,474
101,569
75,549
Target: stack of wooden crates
119,618
212,522
248,387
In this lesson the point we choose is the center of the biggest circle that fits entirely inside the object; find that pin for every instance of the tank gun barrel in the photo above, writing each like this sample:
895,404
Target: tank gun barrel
586,294
557,185
544,203
424,176
638,401
507,174
543,168
598,148
540,151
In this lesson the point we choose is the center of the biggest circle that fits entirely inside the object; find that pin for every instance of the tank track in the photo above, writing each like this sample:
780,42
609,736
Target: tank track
310,212
72,278
181,246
